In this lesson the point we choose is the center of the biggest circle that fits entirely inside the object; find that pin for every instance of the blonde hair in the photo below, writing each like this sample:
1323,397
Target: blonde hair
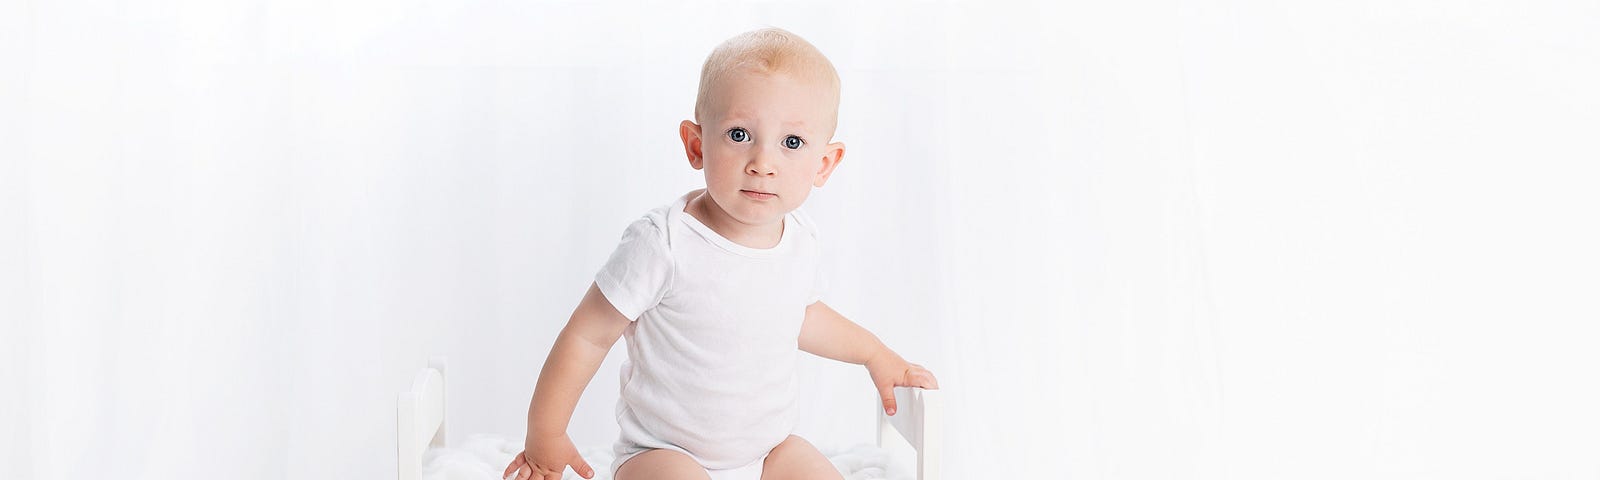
766,51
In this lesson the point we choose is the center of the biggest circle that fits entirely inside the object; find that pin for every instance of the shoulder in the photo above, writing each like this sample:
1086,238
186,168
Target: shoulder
652,227
653,222
805,224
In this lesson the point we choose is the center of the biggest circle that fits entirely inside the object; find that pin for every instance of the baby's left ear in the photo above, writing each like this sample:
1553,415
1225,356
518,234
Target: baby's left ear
831,156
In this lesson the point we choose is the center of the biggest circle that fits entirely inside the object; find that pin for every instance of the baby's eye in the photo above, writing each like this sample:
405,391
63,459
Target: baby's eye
738,135
793,142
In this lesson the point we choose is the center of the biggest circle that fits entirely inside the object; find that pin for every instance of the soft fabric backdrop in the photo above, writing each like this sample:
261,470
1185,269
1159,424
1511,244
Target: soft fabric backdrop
1135,240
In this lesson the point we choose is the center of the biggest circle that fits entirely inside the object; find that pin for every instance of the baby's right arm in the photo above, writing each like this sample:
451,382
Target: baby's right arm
578,351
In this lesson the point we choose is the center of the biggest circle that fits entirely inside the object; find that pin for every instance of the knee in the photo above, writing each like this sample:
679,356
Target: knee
796,458
661,464
792,444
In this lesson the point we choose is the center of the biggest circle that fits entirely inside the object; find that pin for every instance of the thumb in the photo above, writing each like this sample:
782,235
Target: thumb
583,468
886,391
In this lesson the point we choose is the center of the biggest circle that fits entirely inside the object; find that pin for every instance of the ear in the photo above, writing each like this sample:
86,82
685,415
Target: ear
690,132
832,154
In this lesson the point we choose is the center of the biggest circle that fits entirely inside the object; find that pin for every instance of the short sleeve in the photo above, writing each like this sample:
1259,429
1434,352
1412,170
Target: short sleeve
637,275
819,270
819,285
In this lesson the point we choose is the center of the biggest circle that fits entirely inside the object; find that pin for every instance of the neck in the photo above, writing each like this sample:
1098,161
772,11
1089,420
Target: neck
703,208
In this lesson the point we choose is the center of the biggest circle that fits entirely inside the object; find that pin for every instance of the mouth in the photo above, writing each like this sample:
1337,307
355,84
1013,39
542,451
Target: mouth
758,195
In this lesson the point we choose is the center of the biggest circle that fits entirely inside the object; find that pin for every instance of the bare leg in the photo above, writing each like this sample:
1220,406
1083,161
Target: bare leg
796,459
661,464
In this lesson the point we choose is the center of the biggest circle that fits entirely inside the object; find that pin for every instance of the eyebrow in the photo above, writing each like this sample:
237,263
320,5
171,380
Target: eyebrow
744,119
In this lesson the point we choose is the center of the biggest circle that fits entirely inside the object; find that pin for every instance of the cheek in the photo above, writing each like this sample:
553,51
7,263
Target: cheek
809,168
716,159
721,171
803,174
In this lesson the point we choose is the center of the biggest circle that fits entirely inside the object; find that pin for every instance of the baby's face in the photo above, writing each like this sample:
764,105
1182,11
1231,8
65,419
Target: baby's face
764,144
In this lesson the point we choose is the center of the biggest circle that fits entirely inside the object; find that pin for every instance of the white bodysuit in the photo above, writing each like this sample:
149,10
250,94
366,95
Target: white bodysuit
714,343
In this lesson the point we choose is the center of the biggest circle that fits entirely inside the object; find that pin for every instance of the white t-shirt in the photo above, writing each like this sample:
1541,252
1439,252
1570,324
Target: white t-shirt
714,343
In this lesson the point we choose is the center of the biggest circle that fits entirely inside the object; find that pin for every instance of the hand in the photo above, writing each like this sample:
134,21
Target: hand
889,371
546,459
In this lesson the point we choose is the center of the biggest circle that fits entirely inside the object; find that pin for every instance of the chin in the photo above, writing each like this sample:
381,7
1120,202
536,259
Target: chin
758,216
750,213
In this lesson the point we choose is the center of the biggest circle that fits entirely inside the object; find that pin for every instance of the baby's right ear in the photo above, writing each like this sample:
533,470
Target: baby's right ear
690,132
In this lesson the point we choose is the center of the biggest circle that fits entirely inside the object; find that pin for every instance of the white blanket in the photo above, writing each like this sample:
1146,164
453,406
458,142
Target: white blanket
483,457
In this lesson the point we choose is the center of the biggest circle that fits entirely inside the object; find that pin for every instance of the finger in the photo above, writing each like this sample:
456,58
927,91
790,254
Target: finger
538,472
541,472
516,463
583,468
886,392
924,379
913,371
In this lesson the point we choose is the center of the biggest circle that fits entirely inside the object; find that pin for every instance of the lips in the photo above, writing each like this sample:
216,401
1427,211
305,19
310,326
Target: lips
758,195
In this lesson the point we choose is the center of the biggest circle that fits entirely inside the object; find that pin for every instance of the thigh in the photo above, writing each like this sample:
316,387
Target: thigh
661,464
796,459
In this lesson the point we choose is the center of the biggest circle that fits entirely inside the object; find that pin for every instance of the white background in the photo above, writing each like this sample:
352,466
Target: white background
1135,240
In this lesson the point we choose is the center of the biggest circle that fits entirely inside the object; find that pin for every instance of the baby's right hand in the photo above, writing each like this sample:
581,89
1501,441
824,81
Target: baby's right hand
546,458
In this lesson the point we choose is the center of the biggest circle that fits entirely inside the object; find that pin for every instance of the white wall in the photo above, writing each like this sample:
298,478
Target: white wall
1215,239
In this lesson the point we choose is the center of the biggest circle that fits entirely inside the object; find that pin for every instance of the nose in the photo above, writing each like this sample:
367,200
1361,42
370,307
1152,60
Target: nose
761,165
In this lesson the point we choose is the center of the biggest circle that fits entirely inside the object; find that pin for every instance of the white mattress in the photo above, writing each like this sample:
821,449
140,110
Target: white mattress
483,457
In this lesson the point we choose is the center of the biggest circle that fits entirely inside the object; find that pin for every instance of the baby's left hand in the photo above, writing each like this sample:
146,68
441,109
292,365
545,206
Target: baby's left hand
889,371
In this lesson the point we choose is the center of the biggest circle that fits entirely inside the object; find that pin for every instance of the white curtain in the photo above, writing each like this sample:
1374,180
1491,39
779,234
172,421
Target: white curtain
1216,239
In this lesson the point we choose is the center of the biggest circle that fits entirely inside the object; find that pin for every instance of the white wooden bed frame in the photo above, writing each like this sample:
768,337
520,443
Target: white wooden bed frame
421,419
421,416
915,423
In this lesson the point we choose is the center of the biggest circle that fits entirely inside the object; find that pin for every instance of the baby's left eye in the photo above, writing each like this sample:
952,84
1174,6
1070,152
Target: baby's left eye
793,142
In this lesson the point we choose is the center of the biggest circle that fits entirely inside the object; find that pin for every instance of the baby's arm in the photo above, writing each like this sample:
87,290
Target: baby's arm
576,355
826,333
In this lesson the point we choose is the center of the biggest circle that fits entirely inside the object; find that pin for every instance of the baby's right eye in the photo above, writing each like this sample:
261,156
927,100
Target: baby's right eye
738,134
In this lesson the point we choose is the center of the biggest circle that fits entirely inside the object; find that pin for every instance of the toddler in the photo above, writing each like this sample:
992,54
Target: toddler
716,291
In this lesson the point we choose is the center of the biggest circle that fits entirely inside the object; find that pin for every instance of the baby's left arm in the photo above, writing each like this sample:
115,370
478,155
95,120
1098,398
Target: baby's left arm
826,333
